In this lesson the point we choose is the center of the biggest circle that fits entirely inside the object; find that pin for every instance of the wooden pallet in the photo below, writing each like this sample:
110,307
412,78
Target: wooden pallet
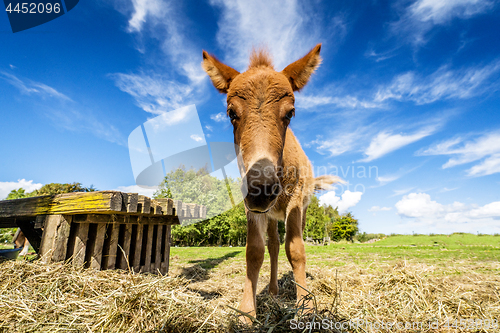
100,230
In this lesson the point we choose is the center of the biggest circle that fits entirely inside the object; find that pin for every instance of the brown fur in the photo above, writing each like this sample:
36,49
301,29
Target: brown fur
260,99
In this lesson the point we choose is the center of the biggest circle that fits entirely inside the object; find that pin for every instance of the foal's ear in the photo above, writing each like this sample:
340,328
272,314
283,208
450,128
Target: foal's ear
220,74
299,72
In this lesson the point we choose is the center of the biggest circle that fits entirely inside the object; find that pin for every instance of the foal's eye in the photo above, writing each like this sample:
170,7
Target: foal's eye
290,114
232,115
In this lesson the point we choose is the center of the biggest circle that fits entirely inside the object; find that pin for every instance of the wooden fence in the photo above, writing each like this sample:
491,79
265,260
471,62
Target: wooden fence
100,230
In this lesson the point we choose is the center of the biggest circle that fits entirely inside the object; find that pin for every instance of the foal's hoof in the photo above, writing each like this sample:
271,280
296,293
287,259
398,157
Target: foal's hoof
245,320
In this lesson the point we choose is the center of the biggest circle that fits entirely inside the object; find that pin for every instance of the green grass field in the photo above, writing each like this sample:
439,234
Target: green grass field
437,250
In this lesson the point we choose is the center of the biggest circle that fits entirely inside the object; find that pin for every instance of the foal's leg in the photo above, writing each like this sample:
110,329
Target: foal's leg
273,246
256,227
295,251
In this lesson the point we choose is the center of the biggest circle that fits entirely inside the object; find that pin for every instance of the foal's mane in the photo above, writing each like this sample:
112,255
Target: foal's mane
260,57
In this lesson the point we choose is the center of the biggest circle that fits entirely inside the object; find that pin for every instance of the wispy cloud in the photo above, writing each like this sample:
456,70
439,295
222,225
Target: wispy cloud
219,117
162,26
62,110
445,83
196,138
385,142
379,209
344,102
485,148
401,192
445,189
423,15
29,87
384,180
154,93
245,24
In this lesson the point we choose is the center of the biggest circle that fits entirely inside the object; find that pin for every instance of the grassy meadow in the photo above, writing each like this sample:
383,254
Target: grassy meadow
414,280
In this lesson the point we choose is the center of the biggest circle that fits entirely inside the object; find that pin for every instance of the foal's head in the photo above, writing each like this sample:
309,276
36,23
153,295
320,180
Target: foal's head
260,105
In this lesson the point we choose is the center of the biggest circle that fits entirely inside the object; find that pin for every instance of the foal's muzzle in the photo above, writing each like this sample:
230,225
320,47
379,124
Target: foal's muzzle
263,186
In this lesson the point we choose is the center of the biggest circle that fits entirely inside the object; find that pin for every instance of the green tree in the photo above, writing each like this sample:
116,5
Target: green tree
197,186
317,221
17,194
344,227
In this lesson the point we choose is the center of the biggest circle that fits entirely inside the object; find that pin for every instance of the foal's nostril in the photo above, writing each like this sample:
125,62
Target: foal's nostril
276,190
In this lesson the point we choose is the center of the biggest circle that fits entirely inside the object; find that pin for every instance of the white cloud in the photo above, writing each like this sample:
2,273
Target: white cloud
385,143
137,189
161,25
144,8
445,83
485,148
423,15
196,138
347,138
32,87
445,189
27,185
155,94
219,117
349,199
433,216
383,180
379,209
401,192
62,110
245,24
347,102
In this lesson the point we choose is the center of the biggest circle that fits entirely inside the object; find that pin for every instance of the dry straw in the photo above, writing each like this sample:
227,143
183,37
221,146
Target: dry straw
35,297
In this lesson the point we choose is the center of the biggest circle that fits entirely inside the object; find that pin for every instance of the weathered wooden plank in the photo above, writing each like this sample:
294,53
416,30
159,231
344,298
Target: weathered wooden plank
158,252
196,213
68,203
187,210
55,238
81,237
167,205
96,256
203,213
138,248
149,247
178,208
144,203
166,256
113,246
130,201
40,221
125,254
158,210
125,219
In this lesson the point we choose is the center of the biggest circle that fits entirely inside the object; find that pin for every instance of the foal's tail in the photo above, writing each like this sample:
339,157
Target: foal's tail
326,182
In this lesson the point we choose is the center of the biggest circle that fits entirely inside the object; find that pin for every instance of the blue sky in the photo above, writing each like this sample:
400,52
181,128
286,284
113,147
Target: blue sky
405,106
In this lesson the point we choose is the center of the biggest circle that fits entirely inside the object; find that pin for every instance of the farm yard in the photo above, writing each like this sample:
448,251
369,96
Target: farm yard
433,283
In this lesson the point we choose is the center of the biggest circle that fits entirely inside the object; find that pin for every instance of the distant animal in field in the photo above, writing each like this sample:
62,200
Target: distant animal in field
276,172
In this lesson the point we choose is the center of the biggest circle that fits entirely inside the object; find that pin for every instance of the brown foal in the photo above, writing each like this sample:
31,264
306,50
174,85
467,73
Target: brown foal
277,175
